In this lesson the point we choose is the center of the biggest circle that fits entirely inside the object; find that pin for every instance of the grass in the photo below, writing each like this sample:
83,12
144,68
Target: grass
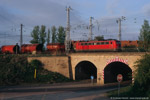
124,92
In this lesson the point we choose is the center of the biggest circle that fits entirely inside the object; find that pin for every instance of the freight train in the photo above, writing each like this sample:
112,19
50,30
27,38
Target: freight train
76,46
25,48
32,48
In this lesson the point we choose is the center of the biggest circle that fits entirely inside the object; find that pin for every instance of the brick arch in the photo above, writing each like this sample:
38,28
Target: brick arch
84,69
85,60
117,59
112,69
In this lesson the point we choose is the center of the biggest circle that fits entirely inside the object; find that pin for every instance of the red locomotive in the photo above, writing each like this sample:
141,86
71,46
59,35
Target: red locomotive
107,45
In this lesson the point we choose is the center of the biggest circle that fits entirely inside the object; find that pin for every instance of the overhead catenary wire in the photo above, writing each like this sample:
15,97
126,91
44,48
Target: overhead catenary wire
102,26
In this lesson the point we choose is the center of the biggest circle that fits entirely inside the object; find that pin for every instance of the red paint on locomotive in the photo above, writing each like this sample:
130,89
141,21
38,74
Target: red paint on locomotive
29,48
107,45
12,49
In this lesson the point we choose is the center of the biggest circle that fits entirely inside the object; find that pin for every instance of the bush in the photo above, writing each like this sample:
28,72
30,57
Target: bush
142,77
16,70
43,75
13,68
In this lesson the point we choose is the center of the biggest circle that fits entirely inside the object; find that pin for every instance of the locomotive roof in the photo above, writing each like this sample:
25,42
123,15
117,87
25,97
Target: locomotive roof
98,41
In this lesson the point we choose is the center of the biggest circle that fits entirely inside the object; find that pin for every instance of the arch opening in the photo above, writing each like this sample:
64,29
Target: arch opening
84,70
113,69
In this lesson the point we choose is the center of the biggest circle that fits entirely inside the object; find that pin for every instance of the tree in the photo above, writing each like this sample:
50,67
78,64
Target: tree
48,36
61,35
99,38
142,76
53,34
42,38
39,35
144,38
35,35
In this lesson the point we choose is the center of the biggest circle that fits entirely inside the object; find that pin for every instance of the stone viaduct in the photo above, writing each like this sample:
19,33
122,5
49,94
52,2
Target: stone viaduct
104,66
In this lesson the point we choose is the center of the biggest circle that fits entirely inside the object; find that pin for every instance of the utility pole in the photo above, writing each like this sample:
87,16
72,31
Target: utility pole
67,38
21,39
119,22
90,29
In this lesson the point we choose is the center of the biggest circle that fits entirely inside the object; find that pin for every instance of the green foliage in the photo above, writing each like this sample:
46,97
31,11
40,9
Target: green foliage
16,70
142,79
124,92
141,85
48,36
99,38
36,64
13,69
42,34
35,35
53,34
39,35
144,38
61,35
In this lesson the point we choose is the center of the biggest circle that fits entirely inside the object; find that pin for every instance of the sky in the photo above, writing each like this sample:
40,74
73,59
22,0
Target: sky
53,12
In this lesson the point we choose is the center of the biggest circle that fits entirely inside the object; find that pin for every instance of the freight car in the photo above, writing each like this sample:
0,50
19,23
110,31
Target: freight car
106,45
10,49
129,46
55,48
129,43
31,48
25,48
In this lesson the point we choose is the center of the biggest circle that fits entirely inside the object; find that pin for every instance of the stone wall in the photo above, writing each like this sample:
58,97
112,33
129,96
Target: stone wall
66,65
102,59
54,64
